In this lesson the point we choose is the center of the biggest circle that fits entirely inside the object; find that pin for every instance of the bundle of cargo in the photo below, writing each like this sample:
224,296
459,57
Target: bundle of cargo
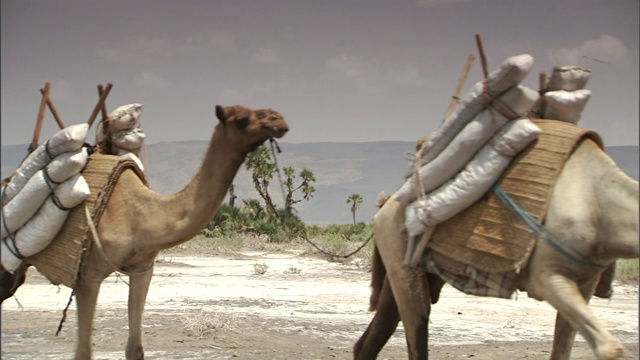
565,96
120,133
36,200
468,153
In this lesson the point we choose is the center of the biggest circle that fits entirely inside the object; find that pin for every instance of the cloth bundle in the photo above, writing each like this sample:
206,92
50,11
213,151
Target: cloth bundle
123,135
566,97
510,105
37,199
477,177
510,73
468,153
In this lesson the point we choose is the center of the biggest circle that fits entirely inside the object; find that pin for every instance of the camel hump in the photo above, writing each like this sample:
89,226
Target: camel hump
382,199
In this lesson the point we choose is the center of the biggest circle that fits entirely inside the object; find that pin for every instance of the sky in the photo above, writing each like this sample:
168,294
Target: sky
338,70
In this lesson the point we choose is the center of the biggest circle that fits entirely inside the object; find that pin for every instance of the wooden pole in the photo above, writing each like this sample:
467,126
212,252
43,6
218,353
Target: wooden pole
103,109
456,97
54,111
43,104
542,82
99,105
483,58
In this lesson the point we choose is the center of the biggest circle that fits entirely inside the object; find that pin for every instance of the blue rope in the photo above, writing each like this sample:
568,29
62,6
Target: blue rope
542,232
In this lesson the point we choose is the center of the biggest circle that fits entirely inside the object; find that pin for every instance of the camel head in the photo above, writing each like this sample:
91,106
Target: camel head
246,129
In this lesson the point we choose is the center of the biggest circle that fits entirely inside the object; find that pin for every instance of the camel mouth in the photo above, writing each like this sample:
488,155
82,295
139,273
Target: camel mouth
277,131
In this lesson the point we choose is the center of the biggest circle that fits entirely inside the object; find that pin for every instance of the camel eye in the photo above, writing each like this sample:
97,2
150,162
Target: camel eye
242,123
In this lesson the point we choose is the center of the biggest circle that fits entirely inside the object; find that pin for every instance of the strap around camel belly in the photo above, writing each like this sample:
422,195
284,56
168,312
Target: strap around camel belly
61,261
487,235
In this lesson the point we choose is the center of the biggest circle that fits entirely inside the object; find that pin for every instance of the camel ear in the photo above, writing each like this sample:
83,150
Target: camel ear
220,113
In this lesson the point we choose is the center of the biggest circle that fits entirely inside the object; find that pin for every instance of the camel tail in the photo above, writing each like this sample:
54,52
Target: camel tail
378,273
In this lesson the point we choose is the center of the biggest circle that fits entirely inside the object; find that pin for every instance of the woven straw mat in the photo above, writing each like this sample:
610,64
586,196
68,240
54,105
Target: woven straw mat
487,235
61,260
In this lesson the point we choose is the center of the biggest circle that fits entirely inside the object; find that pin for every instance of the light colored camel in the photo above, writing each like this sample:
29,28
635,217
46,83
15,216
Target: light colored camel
138,223
594,206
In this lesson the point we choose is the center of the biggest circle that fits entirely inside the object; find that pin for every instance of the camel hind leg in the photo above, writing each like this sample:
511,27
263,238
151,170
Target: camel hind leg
384,324
9,283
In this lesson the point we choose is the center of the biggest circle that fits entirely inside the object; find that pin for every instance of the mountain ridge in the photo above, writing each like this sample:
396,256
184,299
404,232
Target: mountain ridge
340,168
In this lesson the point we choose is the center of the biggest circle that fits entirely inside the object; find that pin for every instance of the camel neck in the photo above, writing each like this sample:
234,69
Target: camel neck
190,209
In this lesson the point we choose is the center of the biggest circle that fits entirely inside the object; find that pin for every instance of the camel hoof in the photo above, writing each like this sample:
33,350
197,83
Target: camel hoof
611,351
137,353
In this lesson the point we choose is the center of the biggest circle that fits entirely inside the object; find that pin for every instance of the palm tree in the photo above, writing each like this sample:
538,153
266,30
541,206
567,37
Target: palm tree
355,200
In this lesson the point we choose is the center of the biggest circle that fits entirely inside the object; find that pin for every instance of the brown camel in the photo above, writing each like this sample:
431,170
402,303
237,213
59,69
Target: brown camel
138,223
594,206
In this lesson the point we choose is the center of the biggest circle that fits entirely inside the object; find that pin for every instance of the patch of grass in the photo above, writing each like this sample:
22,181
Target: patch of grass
260,269
292,270
627,271
200,324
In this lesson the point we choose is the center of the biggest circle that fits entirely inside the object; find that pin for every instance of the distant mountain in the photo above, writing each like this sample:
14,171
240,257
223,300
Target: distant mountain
341,169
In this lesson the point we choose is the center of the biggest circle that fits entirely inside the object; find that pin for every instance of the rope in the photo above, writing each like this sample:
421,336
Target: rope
344,256
96,241
64,312
274,146
544,233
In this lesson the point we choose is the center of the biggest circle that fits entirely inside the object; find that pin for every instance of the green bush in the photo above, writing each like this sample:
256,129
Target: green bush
627,271
278,229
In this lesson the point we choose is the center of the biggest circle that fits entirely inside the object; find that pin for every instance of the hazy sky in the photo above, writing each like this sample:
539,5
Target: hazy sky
338,70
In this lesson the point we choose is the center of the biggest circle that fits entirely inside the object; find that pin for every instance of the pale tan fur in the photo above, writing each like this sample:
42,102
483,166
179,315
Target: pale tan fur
138,223
594,206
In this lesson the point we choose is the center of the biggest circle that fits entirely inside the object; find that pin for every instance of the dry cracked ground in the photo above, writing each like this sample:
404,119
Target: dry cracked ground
218,306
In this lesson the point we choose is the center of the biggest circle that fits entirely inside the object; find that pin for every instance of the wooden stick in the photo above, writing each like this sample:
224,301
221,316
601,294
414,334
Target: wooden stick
456,97
421,247
483,58
43,104
103,109
54,111
542,82
98,106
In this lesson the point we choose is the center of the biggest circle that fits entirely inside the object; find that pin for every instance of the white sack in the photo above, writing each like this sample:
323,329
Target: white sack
569,78
511,72
566,105
128,140
36,234
68,139
468,141
474,181
135,158
22,208
24,205
125,117
67,164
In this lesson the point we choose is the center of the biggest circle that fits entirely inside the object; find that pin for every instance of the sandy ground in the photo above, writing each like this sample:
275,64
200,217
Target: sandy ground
303,307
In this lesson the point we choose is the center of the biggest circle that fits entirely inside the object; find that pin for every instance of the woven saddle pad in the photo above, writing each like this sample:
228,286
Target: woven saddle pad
487,235
61,260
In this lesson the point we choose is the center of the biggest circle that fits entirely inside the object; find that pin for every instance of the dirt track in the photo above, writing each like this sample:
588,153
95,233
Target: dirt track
217,307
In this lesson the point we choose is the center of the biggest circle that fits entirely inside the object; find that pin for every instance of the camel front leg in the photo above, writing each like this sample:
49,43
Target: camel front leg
138,289
566,297
382,326
86,292
563,338
410,287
